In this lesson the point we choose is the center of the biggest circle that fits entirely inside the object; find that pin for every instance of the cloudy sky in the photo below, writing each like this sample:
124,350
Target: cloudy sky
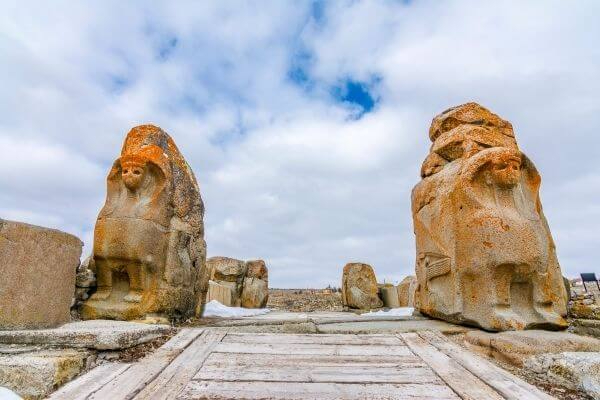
304,121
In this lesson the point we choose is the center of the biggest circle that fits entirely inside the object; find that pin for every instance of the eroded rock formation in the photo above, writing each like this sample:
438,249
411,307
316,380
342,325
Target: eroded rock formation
37,275
406,291
149,250
237,283
359,287
255,292
485,255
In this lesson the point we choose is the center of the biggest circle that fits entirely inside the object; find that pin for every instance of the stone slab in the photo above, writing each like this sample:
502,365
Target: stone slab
93,334
368,327
515,346
33,375
37,266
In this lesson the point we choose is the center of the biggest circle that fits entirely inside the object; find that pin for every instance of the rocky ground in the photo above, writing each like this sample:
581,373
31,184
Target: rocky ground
304,300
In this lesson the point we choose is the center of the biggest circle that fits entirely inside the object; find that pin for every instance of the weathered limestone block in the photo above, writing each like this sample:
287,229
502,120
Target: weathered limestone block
37,270
485,255
359,287
228,272
573,370
255,291
95,334
35,374
221,293
406,291
149,250
389,296
516,347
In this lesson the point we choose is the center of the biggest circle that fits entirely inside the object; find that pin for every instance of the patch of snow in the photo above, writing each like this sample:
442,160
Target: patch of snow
7,394
215,309
392,312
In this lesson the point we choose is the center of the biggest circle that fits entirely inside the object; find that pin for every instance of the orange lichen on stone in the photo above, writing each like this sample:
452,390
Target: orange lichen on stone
485,255
149,250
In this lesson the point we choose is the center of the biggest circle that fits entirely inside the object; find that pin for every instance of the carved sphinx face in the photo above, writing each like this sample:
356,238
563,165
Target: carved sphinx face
133,175
505,171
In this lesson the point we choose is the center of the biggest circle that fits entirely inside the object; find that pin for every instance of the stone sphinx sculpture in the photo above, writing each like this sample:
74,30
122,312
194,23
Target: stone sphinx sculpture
485,255
149,251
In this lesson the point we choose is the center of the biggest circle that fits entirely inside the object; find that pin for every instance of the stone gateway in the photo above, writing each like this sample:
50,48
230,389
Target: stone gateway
485,255
149,250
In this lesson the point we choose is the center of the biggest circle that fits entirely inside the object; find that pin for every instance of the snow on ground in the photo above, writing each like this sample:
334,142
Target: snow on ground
392,312
7,394
215,309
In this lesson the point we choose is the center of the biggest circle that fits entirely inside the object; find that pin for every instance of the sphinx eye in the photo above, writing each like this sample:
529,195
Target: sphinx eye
136,172
125,171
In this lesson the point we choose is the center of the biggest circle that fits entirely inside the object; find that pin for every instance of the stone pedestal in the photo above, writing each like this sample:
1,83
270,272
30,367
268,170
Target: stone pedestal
37,266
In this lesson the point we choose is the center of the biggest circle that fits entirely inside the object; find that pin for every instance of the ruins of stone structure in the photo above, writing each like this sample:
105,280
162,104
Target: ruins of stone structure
485,255
149,250
359,287
255,292
37,270
388,294
236,283
406,291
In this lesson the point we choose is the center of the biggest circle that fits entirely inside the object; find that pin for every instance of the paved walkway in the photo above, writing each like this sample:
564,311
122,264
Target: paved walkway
216,363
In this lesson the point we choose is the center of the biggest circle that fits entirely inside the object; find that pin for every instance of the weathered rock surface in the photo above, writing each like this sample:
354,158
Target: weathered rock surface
35,374
516,346
96,334
389,296
228,272
37,270
573,370
248,282
221,293
406,291
255,291
589,327
359,287
485,255
149,250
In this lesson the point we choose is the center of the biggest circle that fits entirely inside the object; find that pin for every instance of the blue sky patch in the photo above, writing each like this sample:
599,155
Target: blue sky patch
357,94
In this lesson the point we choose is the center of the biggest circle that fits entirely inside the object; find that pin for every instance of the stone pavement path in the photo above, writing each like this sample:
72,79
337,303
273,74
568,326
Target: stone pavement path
213,363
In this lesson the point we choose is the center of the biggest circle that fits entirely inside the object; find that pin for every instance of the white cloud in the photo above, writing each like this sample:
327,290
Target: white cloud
287,172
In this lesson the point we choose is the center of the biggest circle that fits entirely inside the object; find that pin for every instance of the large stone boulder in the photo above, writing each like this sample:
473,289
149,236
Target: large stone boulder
149,250
406,291
247,282
228,272
359,287
485,255
37,266
255,291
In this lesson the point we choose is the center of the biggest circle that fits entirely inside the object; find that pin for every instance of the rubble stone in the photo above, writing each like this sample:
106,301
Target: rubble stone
573,370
